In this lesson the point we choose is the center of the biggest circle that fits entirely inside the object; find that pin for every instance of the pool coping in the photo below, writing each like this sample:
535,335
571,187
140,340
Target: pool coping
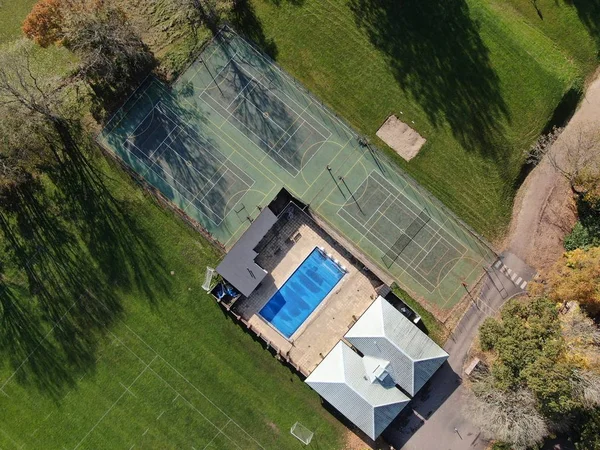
298,332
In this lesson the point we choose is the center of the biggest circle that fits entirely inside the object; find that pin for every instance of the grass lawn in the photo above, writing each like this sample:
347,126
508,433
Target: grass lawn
107,339
480,79
121,346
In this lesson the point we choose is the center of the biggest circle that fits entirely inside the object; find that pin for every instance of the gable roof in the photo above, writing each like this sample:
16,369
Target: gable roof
383,332
341,380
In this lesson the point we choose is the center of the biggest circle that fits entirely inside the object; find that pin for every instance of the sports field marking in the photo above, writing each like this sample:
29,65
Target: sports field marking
372,236
115,402
276,146
178,187
209,85
190,383
35,349
122,108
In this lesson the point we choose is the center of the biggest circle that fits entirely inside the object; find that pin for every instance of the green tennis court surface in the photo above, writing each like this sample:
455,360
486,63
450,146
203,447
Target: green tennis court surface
234,129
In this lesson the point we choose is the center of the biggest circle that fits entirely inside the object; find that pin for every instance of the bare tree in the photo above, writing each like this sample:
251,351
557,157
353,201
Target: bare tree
575,156
506,415
110,50
22,86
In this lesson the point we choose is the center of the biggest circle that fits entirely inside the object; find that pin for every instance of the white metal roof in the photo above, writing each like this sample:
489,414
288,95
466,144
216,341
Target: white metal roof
342,381
383,332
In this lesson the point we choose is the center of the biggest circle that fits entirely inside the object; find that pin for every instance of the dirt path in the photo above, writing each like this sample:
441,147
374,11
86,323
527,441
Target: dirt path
544,210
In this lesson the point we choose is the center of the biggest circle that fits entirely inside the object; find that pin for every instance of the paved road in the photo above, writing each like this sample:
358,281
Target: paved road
436,412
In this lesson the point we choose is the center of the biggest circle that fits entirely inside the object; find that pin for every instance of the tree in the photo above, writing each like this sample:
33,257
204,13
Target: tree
44,23
21,86
576,278
110,51
589,431
24,149
575,156
507,415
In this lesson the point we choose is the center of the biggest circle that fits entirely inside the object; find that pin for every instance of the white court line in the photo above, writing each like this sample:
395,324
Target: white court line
125,103
194,196
400,194
248,187
194,386
403,269
242,93
287,140
127,139
36,347
214,79
299,115
265,149
294,101
116,401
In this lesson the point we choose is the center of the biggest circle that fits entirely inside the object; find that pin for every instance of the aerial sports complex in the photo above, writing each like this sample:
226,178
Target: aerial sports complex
316,222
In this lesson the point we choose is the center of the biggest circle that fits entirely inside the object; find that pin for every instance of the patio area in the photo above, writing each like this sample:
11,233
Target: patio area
280,253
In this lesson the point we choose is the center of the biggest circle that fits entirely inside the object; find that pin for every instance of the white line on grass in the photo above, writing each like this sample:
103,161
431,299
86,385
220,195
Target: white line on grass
116,401
218,433
36,347
194,386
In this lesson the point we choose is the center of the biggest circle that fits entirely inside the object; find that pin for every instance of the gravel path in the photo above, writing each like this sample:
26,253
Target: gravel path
544,211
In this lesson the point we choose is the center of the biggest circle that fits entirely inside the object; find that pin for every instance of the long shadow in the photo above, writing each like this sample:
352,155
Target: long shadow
589,14
425,403
438,56
244,18
75,246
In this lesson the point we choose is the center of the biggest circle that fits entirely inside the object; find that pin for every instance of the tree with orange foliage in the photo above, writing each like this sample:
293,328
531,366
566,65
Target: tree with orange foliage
44,23
576,277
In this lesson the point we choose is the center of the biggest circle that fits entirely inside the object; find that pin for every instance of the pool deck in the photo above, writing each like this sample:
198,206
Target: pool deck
321,331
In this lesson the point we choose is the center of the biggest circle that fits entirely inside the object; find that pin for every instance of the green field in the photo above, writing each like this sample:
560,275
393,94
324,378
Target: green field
480,79
107,339
121,346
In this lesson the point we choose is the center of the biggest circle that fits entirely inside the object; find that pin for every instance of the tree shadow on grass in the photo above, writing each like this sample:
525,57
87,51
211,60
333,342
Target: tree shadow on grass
439,58
589,14
74,246
244,18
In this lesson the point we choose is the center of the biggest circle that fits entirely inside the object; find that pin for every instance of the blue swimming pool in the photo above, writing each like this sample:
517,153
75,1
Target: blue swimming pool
302,292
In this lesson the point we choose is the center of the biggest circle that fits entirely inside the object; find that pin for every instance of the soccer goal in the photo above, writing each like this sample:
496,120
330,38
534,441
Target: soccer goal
302,433
208,279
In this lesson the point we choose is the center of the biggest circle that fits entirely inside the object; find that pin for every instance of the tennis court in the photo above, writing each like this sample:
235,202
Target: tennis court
234,129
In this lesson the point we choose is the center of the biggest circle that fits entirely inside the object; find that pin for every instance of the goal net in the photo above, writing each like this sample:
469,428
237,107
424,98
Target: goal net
302,433
208,279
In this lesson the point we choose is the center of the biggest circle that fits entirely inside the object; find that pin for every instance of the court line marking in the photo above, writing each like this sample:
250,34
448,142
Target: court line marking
223,164
178,394
257,80
266,149
213,80
294,101
409,265
428,251
134,132
122,108
235,146
397,197
404,269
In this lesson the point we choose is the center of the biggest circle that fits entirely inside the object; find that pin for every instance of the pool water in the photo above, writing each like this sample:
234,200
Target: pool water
302,292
